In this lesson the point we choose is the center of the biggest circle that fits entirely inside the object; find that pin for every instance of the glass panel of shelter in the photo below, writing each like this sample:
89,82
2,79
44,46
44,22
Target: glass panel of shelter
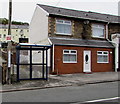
27,67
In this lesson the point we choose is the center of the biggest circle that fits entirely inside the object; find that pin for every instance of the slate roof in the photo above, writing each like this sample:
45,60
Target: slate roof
81,42
80,14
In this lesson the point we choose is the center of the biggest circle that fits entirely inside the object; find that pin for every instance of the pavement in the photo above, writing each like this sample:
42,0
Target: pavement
62,81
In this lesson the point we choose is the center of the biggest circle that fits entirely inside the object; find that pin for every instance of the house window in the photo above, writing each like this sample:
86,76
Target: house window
63,27
21,30
69,56
102,56
98,30
4,36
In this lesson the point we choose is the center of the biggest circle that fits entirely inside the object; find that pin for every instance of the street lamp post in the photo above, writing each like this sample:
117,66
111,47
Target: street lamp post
9,43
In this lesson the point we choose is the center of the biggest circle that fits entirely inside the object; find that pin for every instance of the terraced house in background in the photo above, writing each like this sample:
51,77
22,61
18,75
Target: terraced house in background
81,41
18,32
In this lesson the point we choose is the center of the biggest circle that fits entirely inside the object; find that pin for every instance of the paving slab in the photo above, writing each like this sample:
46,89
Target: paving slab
63,81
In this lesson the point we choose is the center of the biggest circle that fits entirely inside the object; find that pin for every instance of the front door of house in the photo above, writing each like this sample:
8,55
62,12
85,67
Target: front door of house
87,61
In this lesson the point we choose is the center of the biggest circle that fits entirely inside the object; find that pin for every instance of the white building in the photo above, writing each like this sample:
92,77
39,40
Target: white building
17,31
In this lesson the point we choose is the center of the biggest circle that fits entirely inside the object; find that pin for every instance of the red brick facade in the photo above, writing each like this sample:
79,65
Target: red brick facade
66,68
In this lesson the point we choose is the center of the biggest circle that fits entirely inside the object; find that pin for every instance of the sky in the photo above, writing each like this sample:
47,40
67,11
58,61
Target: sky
22,10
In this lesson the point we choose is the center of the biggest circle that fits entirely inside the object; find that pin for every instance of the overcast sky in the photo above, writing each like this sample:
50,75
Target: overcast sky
23,9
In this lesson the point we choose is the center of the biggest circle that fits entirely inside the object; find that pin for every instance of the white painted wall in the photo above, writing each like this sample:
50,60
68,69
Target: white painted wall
38,30
115,41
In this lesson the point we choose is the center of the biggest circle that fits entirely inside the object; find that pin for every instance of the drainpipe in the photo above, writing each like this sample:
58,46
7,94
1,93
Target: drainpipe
116,52
116,57
52,54
107,30
115,45
53,58
53,68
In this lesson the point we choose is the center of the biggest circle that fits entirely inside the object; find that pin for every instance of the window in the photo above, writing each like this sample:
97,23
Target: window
69,56
102,57
22,35
63,27
98,30
4,36
0,35
21,30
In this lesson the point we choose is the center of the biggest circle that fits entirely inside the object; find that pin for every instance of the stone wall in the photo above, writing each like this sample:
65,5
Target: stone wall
80,28
113,29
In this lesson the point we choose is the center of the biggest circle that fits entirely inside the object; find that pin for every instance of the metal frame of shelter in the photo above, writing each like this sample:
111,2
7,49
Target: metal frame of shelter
32,47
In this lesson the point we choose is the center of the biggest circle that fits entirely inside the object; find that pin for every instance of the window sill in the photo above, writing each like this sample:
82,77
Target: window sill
69,62
103,62
98,37
63,34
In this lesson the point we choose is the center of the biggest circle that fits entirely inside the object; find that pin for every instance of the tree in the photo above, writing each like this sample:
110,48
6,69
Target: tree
5,22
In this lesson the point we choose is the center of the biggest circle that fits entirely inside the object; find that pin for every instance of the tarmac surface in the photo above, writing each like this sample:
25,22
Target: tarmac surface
63,81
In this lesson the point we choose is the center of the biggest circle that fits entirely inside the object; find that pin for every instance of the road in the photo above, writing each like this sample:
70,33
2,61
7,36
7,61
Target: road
74,94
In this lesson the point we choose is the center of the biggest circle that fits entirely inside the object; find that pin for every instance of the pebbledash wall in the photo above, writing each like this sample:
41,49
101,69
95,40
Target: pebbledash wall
67,68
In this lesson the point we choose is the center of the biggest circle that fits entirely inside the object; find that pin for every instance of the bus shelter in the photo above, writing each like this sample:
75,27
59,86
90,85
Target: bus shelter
32,61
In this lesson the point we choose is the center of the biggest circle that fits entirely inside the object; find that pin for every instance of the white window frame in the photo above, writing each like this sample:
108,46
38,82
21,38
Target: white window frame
69,52
102,54
4,36
99,26
64,23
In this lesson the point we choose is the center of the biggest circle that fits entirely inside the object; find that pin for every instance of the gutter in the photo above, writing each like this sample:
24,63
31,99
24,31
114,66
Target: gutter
77,45
85,18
